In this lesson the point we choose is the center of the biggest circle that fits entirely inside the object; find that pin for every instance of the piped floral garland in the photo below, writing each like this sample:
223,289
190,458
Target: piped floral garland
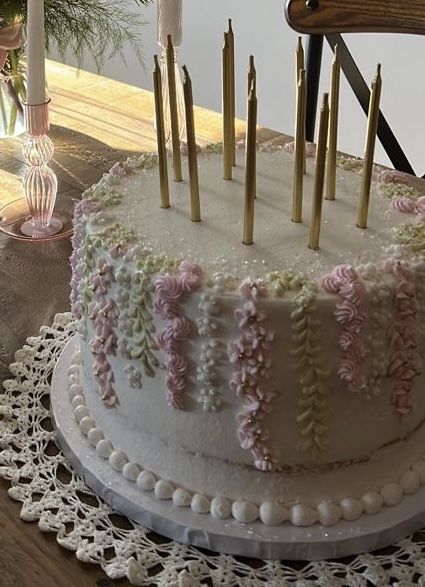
408,206
211,354
405,362
170,289
314,399
82,209
250,353
104,314
351,317
380,317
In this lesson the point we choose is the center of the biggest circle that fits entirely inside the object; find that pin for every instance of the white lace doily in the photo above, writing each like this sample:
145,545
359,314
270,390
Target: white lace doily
52,494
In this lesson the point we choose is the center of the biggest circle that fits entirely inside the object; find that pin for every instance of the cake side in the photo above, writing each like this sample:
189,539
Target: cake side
306,361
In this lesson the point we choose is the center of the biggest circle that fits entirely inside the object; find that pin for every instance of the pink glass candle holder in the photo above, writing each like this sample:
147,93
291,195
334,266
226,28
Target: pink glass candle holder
39,182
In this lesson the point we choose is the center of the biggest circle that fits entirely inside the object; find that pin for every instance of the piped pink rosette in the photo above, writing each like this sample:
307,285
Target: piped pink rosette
409,206
170,289
405,363
351,318
251,355
103,312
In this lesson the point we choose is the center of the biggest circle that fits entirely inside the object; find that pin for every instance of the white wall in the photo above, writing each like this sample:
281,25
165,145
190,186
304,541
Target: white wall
260,29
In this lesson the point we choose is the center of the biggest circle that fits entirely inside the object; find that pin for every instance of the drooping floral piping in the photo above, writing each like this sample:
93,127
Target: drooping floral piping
313,401
170,289
104,312
405,362
351,317
250,353
81,210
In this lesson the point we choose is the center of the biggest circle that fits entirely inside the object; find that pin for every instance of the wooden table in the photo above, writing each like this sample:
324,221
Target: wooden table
95,122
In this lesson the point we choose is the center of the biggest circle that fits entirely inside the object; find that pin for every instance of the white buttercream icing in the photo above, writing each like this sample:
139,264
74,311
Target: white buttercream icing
131,471
104,448
94,436
273,514
410,482
86,424
328,513
146,481
372,502
221,508
244,512
302,515
392,494
351,509
117,460
181,498
200,504
164,489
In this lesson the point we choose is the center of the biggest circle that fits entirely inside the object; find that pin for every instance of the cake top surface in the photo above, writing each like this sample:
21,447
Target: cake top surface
279,243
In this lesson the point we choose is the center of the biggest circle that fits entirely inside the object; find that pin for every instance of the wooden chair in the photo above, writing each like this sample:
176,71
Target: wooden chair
330,18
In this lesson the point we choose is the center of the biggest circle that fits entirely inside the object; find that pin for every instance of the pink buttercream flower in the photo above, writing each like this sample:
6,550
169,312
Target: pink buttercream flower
393,176
239,350
167,309
177,365
169,287
190,276
404,205
249,314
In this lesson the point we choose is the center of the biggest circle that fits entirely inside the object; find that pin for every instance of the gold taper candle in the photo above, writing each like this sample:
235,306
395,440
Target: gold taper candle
299,59
299,66
319,176
299,151
195,207
250,168
160,135
372,127
232,90
333,128
227,136
252,74
174,116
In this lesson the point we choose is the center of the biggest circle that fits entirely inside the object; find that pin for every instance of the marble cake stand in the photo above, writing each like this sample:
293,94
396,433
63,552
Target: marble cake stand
252,540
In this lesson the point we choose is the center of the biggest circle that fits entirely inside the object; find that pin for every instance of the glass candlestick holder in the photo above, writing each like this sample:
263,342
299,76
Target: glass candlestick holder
33,217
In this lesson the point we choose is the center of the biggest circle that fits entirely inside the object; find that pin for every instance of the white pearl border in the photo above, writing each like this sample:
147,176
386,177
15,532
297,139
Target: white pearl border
327,513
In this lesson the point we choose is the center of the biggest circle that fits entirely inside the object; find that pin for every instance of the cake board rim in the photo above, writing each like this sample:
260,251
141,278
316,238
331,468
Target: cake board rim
256,540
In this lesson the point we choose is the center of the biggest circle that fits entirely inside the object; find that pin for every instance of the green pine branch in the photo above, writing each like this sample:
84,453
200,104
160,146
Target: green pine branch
98,27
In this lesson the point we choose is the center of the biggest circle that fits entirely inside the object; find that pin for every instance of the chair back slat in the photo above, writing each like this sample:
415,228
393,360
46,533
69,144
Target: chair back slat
355,16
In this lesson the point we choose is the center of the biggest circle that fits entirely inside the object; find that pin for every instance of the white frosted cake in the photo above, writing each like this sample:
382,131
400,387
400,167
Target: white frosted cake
271,383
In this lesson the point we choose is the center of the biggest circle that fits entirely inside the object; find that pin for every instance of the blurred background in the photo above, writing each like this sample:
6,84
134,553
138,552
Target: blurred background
260,28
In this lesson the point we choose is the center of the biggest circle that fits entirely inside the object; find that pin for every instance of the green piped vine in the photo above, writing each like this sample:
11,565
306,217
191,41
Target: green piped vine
313,402
398,190
349,163
143,345
412,236
105,195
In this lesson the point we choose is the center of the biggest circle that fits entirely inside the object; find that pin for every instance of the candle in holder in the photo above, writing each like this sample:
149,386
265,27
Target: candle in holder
333,128
227,133
232,92
170,22
174,116
319,176
372,127
299,152
36,77
160,135
250,168
195,209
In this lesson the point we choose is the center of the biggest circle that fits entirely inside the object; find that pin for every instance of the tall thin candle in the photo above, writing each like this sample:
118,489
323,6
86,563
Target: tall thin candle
372,127
297,194
195,209
36,77
333,128
170,22
232,92
174,116
299,59
160,135
319,177
252,74
250,168
227,137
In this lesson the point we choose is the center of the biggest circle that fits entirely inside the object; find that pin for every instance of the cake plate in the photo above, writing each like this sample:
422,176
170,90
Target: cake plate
251,540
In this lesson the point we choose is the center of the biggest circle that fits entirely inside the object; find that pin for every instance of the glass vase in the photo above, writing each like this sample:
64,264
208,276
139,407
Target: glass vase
12,94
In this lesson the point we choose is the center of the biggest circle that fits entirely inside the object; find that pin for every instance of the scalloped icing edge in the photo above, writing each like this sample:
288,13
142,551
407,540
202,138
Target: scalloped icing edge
327,513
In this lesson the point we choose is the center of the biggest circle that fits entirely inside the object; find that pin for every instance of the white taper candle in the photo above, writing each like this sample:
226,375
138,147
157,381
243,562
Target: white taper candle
170,22
36,77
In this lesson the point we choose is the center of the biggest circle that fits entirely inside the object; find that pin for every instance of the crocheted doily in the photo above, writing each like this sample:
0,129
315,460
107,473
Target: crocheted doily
52,494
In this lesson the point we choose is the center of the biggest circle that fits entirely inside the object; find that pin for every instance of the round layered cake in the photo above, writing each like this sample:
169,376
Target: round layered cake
266,384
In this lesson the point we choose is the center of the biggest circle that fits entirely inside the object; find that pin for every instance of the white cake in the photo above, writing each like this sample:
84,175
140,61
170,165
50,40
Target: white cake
269,383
